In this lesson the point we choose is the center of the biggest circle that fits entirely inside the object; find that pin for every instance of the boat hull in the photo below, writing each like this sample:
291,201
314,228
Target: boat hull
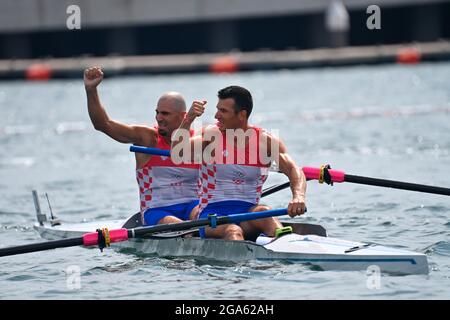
322,252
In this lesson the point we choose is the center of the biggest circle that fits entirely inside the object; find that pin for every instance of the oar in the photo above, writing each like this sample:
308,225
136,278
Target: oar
335,176
341,176
275,188
118,235
152,151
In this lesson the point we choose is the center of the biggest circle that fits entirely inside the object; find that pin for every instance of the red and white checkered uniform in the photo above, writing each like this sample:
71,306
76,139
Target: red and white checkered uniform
163,183
225,181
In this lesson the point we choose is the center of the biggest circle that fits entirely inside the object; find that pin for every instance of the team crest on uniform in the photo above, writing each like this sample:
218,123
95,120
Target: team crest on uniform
239,177
164,158
177,182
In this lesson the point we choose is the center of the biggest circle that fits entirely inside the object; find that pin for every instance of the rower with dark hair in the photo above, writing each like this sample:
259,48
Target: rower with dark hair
236,157
168,191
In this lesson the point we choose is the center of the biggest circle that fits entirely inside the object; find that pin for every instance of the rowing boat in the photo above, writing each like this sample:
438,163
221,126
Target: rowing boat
307,244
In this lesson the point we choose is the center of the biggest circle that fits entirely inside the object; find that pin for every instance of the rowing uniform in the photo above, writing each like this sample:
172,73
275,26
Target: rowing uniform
166,188
232,184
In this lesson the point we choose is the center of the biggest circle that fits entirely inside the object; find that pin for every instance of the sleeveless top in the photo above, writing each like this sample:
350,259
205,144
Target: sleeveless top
234,178
163,183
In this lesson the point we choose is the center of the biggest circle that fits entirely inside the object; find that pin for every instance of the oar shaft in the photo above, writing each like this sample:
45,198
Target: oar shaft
274,189
397,184
152,151
232,218
236,218
340,176
142,231
34,247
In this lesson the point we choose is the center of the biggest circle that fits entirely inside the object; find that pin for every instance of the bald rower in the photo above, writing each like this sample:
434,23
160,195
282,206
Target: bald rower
168,192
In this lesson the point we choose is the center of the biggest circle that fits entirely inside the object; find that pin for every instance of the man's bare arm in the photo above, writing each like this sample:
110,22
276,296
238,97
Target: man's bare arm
120,132
182,133
296,177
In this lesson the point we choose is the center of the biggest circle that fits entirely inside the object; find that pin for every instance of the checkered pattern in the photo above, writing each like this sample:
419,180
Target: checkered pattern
207,184
260,184
225,181
144,179
247,187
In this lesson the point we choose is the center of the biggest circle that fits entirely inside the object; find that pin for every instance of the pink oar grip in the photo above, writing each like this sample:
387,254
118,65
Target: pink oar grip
91,239
118,235
314,173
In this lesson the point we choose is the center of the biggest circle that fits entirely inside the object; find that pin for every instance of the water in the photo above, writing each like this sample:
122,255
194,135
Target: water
385,121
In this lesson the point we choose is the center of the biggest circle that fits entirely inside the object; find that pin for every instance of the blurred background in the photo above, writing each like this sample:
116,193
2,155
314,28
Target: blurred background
360,86
45,29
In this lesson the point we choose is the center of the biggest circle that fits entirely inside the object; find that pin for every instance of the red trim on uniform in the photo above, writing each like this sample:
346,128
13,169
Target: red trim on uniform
161,161
225,151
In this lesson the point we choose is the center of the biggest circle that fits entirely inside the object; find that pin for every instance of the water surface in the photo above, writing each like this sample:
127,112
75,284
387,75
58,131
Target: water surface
386,121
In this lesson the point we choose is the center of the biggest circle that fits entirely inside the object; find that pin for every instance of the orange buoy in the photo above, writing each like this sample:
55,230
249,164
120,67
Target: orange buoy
409,56
225,64
38,71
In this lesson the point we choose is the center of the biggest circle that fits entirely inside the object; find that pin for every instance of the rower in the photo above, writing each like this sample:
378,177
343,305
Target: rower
168,191
232,176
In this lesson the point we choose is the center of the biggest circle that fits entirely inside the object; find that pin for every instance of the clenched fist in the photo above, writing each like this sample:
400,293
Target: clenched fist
92,77
196,110
296,206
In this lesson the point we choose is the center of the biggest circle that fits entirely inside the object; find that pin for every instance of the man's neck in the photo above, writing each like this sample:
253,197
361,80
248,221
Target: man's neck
167,139
243,126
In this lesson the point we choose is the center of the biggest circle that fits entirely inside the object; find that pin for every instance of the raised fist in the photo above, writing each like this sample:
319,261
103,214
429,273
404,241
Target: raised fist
92,77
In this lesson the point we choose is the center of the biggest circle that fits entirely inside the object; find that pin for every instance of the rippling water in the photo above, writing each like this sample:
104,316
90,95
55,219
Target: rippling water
384,121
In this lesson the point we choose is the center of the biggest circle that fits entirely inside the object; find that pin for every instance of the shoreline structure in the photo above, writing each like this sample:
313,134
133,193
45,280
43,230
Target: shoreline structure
60,68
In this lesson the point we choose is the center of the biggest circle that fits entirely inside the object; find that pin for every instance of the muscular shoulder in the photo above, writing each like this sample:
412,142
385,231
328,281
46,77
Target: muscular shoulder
272,141
268,136
148,136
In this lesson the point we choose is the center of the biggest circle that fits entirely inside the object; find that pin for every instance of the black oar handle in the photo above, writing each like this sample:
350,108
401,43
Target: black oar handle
33,247
397,184
274,189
